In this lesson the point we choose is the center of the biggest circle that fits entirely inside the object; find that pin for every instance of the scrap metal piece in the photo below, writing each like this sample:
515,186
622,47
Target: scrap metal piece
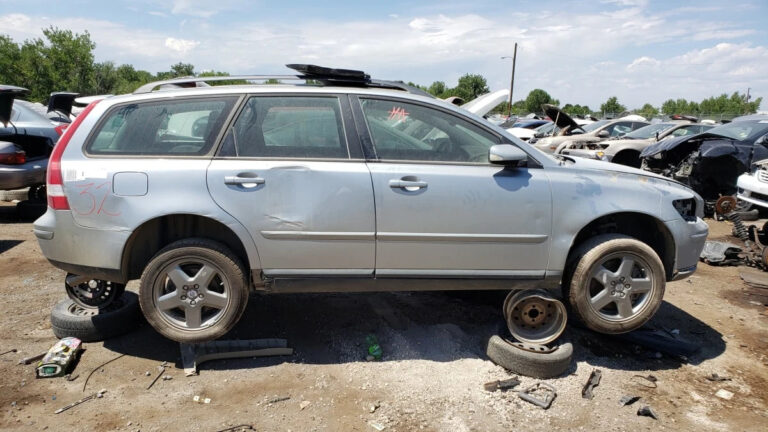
716,378
192,355
32,359
628,400
8,352
502,384
592,382
160,372
78,402
647,411
659,341
650,379
539,394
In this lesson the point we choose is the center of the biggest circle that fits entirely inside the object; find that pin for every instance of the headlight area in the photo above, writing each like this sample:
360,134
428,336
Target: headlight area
686,208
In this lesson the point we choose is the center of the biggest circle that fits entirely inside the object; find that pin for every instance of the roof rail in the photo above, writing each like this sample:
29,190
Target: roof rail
322,75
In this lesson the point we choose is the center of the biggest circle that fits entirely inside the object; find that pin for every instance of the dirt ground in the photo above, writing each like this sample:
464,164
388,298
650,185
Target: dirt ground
431,376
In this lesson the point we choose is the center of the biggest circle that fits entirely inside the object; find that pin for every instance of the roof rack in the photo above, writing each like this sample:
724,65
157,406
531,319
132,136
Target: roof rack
322,75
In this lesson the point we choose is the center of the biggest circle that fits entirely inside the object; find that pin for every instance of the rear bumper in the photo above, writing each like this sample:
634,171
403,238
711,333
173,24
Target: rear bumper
79,250
24,175
689,239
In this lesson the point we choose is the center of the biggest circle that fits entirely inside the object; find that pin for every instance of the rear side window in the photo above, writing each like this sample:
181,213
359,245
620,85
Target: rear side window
288,127
186,127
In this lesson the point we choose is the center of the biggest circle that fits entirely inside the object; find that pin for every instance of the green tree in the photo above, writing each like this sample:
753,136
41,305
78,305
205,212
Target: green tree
471,86
536,98
612,106
576,110
437,89
10,56
648,111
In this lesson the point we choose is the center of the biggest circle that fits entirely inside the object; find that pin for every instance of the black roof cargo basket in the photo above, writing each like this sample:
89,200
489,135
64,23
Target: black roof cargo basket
323,75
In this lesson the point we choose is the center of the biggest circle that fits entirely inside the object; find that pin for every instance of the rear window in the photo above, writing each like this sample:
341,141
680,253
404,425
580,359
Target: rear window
186,127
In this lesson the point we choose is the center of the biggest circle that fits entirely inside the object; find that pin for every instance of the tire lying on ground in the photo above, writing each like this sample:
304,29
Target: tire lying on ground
94,324
548,362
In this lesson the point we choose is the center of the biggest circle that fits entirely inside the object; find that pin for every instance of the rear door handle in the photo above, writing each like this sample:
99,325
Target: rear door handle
244,181
395,184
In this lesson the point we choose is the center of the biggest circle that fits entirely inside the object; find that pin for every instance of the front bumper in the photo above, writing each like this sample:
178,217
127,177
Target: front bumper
20,176
752,190
587,154
689,239
79,250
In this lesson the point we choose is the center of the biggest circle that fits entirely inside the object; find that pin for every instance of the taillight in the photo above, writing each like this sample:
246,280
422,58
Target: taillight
16,158
61,128
54,180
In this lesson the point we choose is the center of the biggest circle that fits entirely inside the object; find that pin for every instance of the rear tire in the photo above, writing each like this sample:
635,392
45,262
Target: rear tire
193,290
617,285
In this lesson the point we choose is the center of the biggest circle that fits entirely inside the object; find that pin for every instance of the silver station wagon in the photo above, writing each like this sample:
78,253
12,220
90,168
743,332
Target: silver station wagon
340,182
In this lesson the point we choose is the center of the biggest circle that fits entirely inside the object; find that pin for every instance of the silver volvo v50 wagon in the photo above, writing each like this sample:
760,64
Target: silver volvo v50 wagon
346,183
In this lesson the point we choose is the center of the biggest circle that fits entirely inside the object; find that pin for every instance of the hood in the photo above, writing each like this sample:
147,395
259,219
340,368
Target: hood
670,143
598,165
7,94
61,102
482,105
561,119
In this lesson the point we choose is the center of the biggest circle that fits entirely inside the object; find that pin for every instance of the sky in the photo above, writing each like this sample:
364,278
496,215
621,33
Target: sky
580,52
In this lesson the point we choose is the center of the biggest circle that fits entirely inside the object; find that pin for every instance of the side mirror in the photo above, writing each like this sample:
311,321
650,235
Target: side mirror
603,134
507,155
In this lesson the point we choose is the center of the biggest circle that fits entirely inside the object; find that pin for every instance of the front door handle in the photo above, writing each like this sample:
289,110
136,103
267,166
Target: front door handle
244,180
407,184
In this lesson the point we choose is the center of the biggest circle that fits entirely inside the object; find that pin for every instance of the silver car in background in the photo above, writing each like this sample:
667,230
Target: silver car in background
354,184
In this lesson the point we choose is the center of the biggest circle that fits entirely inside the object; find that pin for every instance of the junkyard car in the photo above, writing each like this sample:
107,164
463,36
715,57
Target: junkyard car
711,162
752,188
573,135
351,185
626,149
26,139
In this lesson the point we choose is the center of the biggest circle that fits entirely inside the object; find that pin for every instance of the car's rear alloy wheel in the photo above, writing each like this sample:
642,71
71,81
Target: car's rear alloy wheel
193,290
617,285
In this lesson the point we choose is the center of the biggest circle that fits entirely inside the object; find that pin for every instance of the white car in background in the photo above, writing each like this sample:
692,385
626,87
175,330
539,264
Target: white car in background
753,187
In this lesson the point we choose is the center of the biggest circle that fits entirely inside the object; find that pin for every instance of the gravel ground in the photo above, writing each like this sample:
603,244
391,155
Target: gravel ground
431,376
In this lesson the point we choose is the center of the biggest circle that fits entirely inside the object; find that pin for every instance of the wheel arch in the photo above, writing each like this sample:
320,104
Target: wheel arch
641,226
154,234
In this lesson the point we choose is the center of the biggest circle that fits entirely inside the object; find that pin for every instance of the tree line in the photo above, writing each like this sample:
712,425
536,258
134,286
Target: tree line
63,61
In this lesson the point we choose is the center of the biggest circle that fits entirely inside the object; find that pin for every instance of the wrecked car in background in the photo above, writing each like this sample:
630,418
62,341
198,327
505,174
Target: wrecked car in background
574,135
27,137
626,150
752,188
711,162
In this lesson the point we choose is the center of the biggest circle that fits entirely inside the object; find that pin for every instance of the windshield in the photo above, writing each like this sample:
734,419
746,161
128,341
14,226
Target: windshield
594,126
743,130
649,131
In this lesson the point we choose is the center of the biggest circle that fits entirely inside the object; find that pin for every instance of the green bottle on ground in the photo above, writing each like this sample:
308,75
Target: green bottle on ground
374,349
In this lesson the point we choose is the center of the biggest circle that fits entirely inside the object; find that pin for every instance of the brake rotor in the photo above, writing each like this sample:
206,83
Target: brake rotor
725,204
534,317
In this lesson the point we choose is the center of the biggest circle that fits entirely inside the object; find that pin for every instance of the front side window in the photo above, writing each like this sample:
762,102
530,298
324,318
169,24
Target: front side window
410,132
619,129
288,127
186,127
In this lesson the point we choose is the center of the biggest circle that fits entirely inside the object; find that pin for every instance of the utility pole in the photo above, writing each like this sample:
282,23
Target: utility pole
512,81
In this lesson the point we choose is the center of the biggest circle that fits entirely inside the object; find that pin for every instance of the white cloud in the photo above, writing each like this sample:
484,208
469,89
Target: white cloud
202,8
181,46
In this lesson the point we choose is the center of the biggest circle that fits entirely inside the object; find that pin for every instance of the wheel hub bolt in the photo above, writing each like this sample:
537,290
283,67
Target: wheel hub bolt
613,292
185,287
622,279
197,286
192,303
183,297
627,286
199,296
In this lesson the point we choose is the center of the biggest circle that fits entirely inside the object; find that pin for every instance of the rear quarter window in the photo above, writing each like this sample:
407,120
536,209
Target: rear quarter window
186,127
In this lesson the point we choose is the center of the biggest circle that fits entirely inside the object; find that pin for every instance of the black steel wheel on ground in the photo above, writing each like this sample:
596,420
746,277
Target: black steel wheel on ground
193,290
94,292
617,284
538,361
95,324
